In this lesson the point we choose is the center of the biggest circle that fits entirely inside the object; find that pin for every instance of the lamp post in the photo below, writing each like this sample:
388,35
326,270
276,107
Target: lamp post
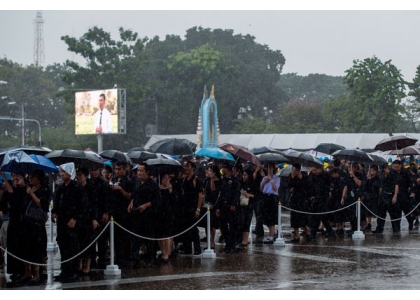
22,106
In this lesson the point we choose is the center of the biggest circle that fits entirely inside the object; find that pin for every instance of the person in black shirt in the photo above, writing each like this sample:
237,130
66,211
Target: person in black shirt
192,200
103,192
338,190
211,193
318,195
249,189
258,175
14,197
370,196
415,191
354,192
69,211
403,197
226,207
122,188
388,200
90,223
144,208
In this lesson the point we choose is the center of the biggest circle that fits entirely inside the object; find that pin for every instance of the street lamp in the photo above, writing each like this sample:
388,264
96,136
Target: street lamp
23,116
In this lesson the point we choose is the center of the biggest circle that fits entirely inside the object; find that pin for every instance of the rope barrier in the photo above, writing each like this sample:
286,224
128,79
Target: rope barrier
45,265
320,213
161,239
373,214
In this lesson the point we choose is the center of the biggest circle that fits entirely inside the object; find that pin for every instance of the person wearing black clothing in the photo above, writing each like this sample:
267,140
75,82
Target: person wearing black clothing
299,186
318,195
354,192
122,188
166,217
103,192
144,209
90,223
258,175
249,190
211,192
226,207
415,190
69,211
403,197
337,192
371,195
14,197
192,201
388,200
34,241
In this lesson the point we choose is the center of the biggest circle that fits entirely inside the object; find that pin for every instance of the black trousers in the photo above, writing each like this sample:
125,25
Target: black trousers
68,243
257,208
319,206
385,205
228,226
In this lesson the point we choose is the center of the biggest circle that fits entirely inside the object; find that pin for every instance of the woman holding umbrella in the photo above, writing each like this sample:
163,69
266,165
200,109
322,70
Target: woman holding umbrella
15,198
35,234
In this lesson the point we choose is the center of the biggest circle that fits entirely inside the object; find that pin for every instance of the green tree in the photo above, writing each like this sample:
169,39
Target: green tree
34,88
375,93
253,126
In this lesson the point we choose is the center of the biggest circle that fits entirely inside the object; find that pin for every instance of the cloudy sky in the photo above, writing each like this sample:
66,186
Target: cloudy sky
319,39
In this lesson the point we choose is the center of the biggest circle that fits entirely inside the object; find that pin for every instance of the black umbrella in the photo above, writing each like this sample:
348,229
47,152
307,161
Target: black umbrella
410,150
328,148
285,172
378,160
139,156
304,159
173,146
264,149
161,165
115,155
352,155
275,158
395,142
79,157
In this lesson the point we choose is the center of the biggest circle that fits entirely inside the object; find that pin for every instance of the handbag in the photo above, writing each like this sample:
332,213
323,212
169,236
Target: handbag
35,214
244,200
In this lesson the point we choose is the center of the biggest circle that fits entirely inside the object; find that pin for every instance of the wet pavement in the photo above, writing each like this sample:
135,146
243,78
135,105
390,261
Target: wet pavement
379,262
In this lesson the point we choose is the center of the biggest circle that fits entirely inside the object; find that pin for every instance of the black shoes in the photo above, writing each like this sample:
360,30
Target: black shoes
228,250
295,241
368,227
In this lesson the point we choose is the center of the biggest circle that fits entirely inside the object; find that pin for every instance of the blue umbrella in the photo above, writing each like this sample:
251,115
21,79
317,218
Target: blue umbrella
18,162
45,164
216,153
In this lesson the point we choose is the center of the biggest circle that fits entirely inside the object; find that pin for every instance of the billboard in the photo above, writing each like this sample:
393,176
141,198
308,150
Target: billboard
100,112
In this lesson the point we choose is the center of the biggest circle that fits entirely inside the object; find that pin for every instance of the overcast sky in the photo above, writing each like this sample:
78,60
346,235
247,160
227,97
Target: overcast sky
312,41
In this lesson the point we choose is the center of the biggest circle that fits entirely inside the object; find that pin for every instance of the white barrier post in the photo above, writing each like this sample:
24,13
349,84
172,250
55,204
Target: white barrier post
208,253
51,246
279,241
358,235
112,269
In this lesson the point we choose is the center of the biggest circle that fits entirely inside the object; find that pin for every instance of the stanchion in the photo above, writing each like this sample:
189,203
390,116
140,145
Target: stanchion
358,235
51,246
208,253
279,241
112,269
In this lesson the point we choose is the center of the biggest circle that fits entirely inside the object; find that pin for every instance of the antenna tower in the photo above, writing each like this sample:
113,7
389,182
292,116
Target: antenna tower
39,55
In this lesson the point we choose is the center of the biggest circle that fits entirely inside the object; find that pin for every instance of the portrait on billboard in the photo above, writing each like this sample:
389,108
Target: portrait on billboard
96,112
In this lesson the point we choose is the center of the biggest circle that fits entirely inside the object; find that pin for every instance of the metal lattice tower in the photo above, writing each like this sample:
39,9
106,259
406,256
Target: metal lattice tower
39,55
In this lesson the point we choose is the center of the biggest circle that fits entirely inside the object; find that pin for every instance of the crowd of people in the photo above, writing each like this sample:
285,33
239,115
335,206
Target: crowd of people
163,208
